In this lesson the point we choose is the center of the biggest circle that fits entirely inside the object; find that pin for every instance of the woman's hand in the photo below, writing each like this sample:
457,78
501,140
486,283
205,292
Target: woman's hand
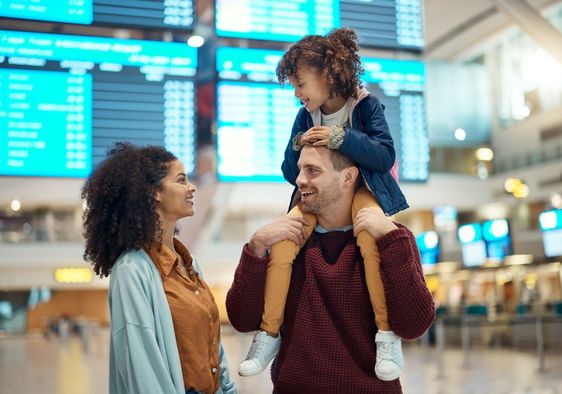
283,228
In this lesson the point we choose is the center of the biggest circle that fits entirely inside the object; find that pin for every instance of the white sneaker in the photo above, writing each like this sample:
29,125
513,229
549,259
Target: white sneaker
264,349
390,360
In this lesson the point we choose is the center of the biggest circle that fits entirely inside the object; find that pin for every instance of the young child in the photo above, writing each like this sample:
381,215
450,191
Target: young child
340,114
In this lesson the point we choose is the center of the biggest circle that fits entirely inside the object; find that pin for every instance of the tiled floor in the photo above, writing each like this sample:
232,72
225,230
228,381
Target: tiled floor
31,364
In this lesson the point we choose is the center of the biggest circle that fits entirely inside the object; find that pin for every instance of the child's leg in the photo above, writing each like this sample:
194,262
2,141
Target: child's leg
364,198
390,361
266,343
278,276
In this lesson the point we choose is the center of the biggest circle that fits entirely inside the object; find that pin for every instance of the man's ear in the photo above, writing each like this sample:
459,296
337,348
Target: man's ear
157,195
351,174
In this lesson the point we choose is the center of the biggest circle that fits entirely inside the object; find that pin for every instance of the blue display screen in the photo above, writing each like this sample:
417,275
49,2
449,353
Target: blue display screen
254,115
288,20
550,220
171,14
550,223
428,245
380,23
400,86
46,126
498,241
250,99
552,241
474,254
72,11
385,23
62,106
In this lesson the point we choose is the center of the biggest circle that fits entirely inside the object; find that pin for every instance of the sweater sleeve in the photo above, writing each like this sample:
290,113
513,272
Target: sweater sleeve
410,305
245,299
138,358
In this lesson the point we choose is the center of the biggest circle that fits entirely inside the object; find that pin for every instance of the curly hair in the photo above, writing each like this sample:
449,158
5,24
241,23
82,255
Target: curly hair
120,197
335,56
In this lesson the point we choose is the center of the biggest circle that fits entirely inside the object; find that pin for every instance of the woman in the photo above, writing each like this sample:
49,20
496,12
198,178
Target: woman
165,329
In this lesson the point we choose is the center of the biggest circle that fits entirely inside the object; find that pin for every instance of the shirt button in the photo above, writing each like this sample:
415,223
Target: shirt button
196,292
214,370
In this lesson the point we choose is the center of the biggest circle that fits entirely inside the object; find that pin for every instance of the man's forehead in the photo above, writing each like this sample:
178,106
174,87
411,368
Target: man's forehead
314,156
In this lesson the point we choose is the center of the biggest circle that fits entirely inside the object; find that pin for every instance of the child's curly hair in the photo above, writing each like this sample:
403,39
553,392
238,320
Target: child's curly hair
121,207
335,56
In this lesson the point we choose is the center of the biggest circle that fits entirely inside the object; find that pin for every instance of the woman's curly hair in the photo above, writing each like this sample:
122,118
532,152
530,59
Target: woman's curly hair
335,56
120,197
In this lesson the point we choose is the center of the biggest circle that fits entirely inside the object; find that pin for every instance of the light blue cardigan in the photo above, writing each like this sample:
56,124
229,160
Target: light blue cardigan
143,355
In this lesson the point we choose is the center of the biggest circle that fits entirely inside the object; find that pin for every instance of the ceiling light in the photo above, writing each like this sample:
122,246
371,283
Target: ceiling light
195,41
460,134
484,154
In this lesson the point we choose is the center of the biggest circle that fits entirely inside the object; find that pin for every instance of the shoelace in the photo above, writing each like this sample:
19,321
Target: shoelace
385,350
255,348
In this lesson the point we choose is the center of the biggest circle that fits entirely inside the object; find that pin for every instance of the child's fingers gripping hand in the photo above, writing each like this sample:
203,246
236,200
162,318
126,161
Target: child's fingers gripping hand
317,136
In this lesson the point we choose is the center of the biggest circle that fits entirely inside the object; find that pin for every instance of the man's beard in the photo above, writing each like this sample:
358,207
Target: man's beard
322,200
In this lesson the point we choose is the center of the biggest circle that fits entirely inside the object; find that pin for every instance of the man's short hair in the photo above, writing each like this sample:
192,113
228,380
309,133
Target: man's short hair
340,161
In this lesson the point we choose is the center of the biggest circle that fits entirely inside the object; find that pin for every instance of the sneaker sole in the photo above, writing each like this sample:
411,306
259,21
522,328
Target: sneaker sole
246,374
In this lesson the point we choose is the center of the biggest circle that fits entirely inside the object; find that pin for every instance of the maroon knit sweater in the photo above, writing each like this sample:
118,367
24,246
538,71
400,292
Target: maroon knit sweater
329,328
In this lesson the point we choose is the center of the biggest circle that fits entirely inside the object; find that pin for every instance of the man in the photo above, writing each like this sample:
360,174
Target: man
329,329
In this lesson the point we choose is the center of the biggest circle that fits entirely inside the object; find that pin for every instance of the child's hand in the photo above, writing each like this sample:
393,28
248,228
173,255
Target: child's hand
282,228
317,136
374,221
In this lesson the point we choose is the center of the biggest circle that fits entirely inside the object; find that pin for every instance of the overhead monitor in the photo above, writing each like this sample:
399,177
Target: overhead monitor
158,14
400,86
550,223
428,245
392,24
275,20
497,237
385,23
66,99
473,244
256,115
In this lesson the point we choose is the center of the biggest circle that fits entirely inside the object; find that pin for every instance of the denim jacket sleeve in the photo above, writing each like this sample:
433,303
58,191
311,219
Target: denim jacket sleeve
370,147
289,166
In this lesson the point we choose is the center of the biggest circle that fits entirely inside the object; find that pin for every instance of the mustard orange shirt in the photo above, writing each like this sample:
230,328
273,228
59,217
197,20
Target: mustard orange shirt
195,316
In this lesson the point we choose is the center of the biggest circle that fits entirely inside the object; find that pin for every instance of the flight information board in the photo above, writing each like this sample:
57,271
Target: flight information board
385,23
275,20
379,23
255,115
61,107
400,85
171,14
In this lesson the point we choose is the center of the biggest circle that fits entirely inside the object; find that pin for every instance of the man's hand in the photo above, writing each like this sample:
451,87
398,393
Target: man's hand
317,136
282,228
374,221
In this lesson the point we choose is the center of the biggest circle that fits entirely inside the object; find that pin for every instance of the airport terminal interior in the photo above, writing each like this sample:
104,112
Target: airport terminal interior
473,98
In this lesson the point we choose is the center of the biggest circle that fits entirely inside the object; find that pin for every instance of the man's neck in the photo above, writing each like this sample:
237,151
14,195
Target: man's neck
335,220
